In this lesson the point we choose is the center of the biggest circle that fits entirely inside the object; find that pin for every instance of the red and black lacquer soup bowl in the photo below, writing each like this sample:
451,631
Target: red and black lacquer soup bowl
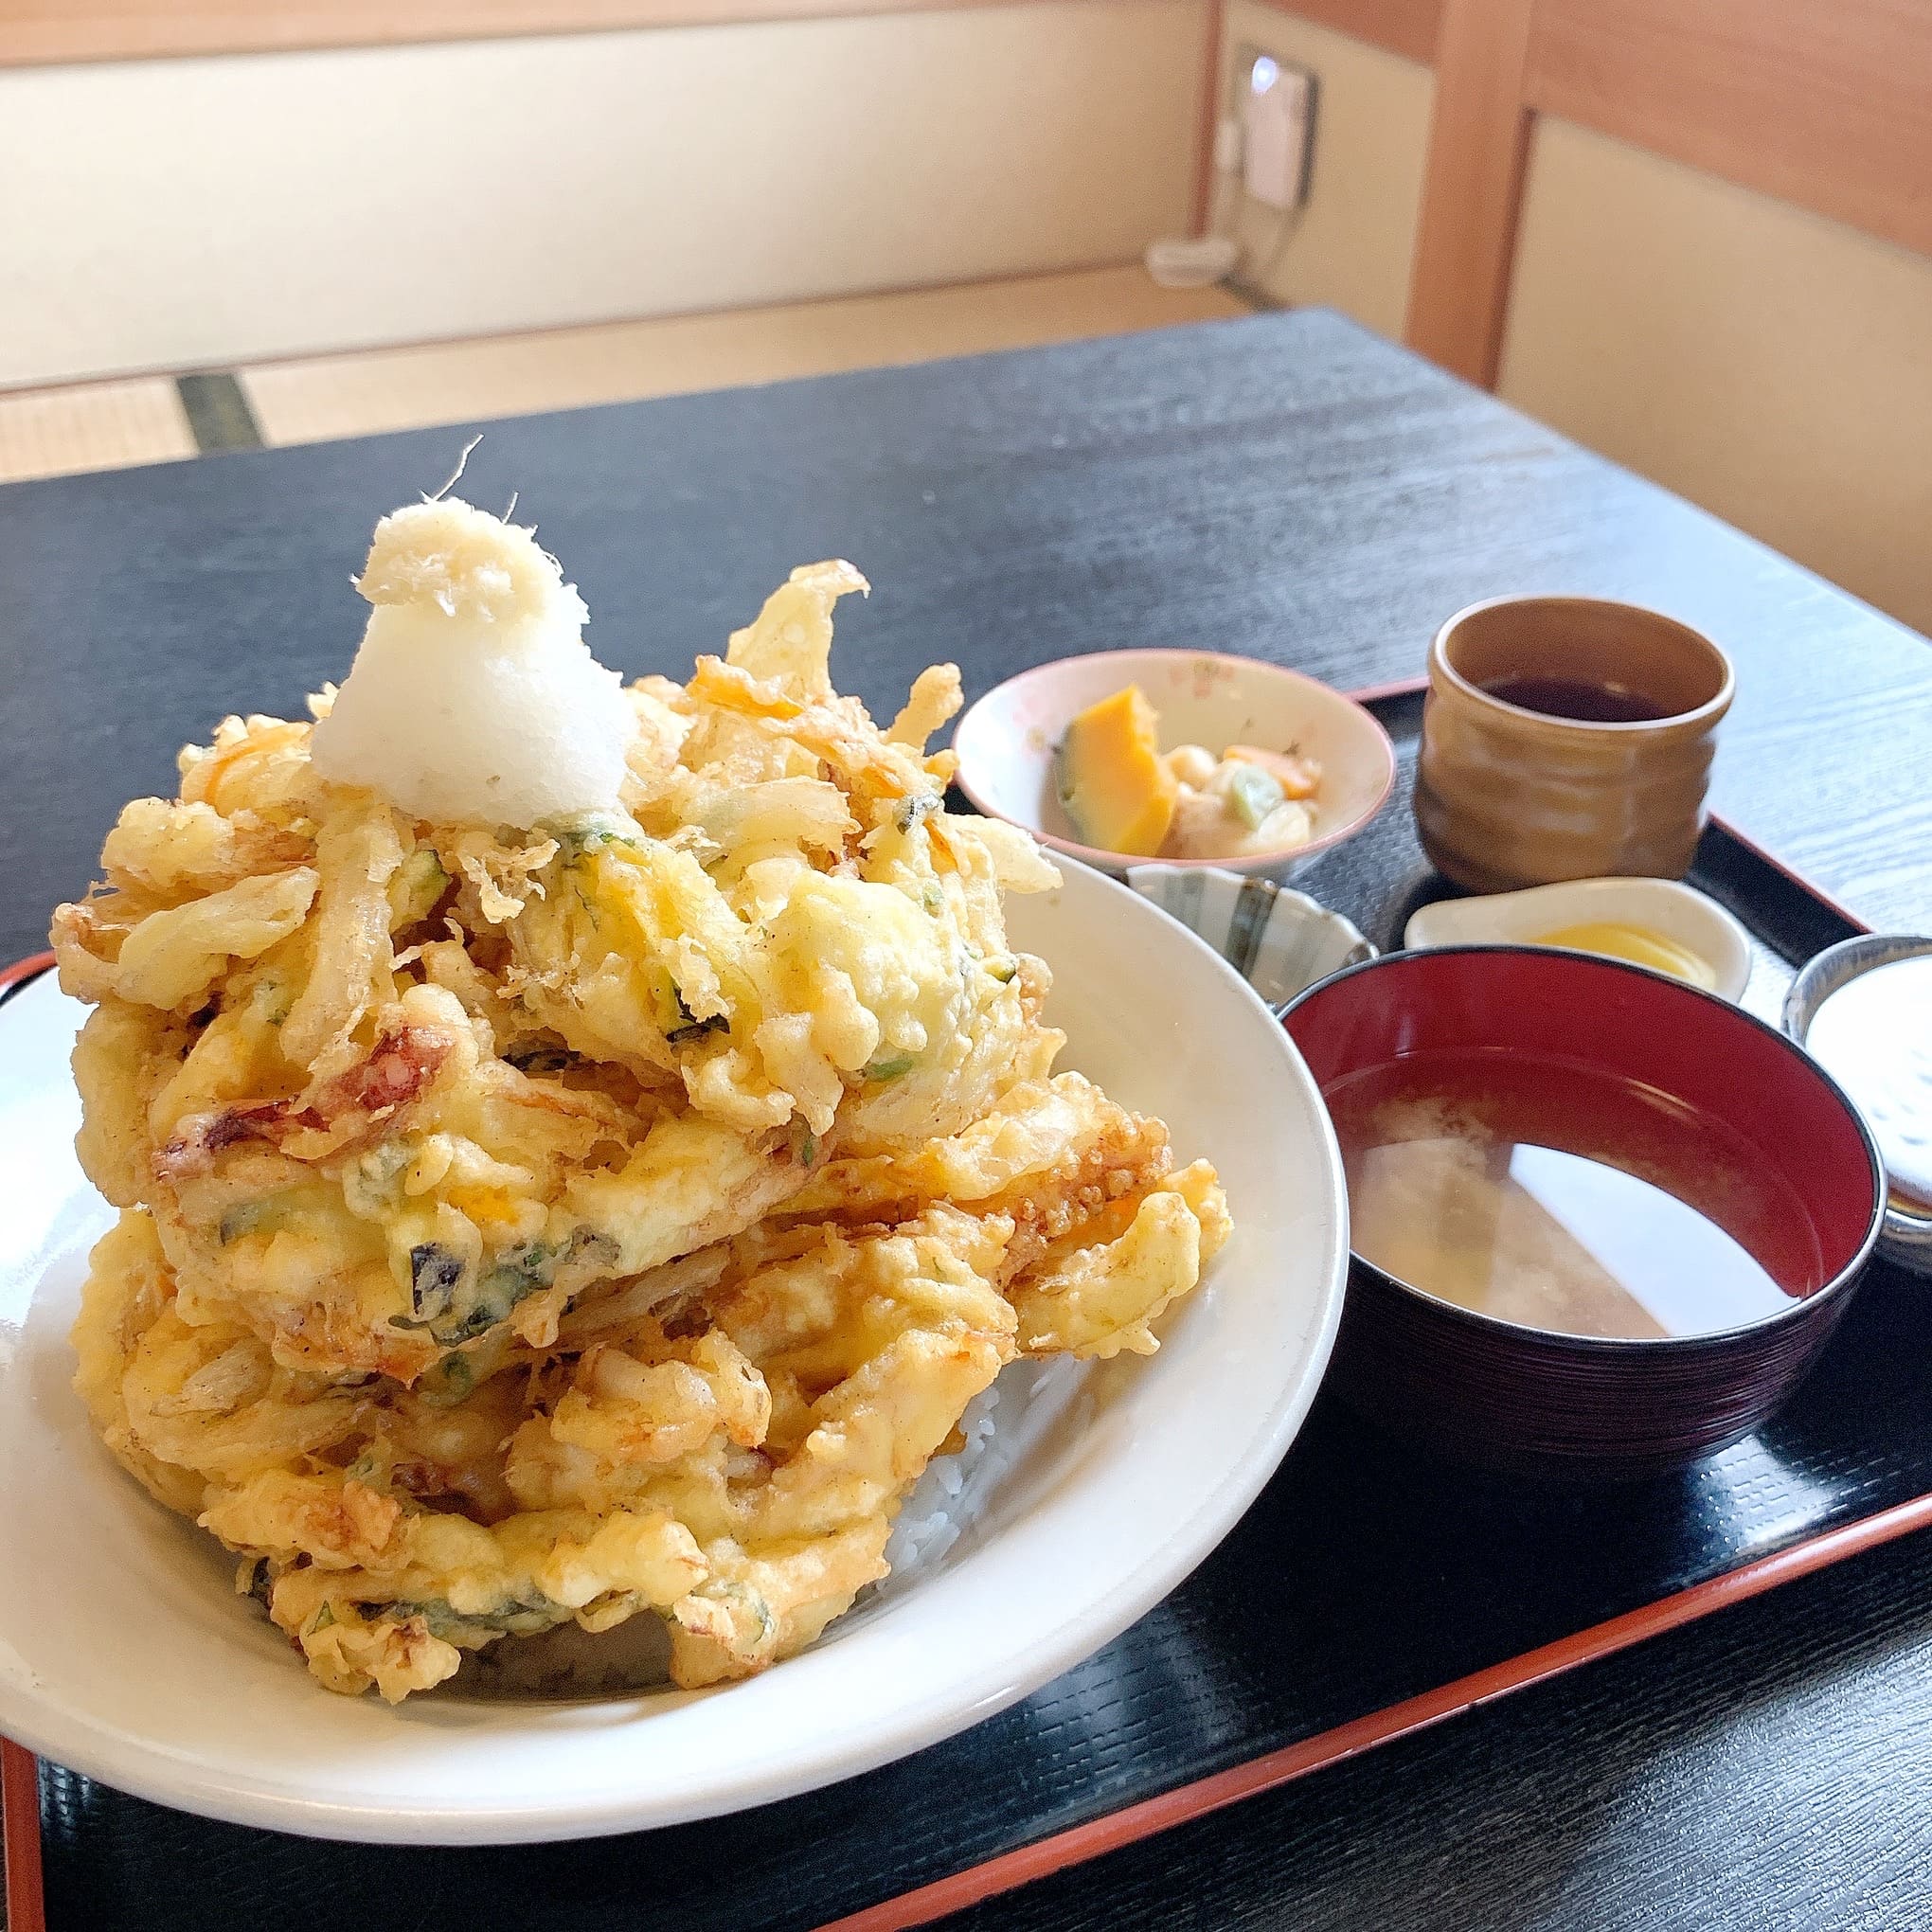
1554,1404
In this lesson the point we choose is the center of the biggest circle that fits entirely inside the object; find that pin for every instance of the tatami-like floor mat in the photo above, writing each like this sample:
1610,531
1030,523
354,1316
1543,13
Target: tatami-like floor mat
104,425
512,375
92,426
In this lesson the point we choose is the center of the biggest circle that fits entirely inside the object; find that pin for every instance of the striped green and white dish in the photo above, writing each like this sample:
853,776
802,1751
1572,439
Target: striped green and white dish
1279,941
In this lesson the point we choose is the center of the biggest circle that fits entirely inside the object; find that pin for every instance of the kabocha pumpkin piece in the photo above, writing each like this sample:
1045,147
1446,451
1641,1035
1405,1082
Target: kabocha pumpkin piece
1115,786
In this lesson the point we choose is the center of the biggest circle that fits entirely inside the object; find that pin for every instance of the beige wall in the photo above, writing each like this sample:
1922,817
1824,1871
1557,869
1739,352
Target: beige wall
1771,364
1349,247
177,213
1768,364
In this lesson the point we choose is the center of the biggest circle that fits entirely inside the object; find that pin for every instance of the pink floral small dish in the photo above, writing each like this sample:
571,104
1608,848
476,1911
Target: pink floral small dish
1008,739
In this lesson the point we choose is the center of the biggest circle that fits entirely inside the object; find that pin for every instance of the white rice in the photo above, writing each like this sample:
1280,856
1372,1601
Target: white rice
932,1516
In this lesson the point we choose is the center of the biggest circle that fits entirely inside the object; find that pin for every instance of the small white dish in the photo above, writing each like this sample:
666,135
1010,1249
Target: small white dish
1678,912
125,1653
1907,1237
1006,739
1279,940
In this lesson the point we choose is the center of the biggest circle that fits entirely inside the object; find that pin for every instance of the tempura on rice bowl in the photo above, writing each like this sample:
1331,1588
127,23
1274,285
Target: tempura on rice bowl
580,1149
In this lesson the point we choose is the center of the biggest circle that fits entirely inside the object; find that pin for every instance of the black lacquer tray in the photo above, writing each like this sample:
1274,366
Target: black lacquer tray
1371,1590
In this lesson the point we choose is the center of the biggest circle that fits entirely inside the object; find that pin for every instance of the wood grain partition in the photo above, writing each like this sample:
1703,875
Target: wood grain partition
1408,27
1823,104
1478,151
51,32
1826,104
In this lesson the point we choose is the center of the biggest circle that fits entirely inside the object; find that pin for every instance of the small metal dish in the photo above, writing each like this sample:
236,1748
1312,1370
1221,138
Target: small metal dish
1904,1238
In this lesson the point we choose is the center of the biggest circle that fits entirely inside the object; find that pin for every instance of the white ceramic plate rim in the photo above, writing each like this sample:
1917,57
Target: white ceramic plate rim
1679,911
1114,863
951,1694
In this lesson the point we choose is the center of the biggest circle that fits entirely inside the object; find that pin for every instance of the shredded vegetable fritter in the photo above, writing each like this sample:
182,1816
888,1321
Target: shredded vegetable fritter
532,1223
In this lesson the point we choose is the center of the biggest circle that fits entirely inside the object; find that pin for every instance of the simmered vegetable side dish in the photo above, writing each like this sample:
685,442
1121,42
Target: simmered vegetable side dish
580,1150
1124,795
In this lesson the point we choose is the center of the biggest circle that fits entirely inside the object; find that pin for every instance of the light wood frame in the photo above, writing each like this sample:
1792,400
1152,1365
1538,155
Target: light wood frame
59,32
1409,28
1826,104
1823,104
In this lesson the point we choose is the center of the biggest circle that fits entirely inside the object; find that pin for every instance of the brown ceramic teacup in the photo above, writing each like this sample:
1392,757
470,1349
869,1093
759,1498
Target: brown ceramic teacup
1510,795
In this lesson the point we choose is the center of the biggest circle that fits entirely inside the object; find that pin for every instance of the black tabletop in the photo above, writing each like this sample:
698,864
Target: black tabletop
1288,487
1769,1770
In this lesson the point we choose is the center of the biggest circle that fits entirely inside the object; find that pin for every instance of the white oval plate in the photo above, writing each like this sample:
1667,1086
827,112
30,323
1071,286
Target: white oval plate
125,1654
1679,912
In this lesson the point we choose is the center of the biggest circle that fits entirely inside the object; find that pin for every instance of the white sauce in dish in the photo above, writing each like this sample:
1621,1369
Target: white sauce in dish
1874,1037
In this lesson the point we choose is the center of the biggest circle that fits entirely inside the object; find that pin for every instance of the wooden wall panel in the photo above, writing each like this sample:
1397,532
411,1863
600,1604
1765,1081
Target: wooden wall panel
1408,27
50,32
1478,146
1207,117
42,32
1826,103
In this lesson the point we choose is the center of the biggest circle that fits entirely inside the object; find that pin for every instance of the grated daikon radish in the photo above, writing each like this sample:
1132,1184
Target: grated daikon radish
473,698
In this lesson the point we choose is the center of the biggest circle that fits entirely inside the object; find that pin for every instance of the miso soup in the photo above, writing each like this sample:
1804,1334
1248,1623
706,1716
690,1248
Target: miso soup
1553,1194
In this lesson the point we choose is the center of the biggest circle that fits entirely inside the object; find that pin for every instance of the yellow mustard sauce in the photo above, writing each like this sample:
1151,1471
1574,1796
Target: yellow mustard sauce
1616,940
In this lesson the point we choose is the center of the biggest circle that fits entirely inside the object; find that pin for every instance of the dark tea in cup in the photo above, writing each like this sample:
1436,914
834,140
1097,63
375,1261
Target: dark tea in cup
1574,697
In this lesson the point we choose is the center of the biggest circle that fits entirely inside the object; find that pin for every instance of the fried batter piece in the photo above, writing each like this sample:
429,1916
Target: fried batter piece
534,1224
